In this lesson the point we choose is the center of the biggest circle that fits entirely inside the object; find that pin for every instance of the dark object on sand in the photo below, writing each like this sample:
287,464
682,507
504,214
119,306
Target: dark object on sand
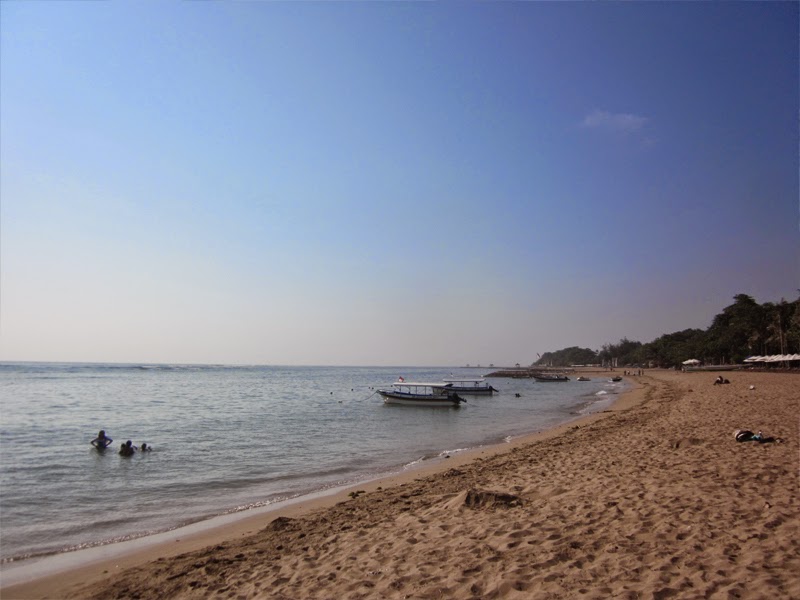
745,435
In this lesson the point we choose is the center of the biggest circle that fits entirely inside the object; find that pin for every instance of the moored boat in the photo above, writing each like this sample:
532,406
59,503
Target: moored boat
421,394
474,385
582,378
550,377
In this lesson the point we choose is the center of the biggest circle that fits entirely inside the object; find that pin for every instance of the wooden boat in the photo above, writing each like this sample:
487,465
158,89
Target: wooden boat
421,394
474,386
550,377
615,379
582,378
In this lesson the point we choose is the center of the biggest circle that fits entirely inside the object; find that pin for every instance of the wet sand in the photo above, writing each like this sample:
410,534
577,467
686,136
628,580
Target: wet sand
651,499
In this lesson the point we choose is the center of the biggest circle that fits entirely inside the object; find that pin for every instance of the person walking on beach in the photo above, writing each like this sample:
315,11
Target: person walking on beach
101,442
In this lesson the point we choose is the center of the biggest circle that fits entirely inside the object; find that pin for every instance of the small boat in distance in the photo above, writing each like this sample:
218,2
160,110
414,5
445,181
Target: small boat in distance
615,379
582,378
550,377
421,394
469,385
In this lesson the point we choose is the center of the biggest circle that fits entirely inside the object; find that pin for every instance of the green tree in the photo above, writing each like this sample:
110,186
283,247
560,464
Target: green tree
626,352
793,329
671,349
778,320
742,329
735,330
568,356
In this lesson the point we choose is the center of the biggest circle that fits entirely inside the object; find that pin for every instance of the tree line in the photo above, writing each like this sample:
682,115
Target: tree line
745,328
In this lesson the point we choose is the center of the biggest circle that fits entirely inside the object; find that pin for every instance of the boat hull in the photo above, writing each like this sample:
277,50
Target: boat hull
473,391
391,397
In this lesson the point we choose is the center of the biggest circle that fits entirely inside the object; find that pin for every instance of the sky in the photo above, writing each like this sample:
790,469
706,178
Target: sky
389,183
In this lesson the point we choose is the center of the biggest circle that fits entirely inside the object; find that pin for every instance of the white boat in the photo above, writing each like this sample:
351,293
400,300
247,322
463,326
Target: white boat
469,385
421,394
582,378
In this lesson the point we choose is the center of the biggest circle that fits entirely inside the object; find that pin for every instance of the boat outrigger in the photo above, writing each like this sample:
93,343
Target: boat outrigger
421,394
467,385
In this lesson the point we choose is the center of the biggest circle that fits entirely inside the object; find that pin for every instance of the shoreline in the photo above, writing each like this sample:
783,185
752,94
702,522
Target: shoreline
654,498
39,577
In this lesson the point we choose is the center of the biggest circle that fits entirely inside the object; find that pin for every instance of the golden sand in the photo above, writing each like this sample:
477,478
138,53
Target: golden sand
652,499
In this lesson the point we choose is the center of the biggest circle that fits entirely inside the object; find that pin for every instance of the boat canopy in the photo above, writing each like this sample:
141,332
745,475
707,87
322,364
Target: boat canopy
417,384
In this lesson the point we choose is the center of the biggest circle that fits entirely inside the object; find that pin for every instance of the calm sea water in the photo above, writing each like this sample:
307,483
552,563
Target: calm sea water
225,439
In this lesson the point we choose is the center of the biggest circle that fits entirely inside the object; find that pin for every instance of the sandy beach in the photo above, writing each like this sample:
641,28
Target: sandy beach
651,499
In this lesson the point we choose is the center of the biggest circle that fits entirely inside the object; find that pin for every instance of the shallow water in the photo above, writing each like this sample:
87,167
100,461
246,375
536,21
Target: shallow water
225,439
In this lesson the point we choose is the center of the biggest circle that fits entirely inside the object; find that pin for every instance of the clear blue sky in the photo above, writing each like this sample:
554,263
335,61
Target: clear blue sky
389,183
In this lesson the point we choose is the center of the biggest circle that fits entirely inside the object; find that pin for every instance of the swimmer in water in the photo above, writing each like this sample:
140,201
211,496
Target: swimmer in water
101,442
127,449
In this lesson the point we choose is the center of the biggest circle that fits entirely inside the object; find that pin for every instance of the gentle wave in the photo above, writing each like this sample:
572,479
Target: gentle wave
226,439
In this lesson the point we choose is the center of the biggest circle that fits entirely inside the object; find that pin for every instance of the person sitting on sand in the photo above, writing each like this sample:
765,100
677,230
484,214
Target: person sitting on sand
101,442
127,449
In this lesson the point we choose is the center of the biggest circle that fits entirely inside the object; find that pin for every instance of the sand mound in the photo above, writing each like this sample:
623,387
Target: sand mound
281,524
686,442
486,500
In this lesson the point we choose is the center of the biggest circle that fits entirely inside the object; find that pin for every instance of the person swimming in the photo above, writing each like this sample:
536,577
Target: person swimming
127,449
146,448
101,442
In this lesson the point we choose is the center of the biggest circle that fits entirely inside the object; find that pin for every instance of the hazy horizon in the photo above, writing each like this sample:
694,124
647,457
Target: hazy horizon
389,184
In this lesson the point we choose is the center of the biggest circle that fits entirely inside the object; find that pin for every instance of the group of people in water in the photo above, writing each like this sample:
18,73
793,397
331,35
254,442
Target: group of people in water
102,442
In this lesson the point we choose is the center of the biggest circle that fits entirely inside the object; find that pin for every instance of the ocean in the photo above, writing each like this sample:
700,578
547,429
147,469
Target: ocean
227,439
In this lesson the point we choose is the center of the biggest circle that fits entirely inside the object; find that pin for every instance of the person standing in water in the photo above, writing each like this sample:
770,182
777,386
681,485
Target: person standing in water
101,442
127,449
